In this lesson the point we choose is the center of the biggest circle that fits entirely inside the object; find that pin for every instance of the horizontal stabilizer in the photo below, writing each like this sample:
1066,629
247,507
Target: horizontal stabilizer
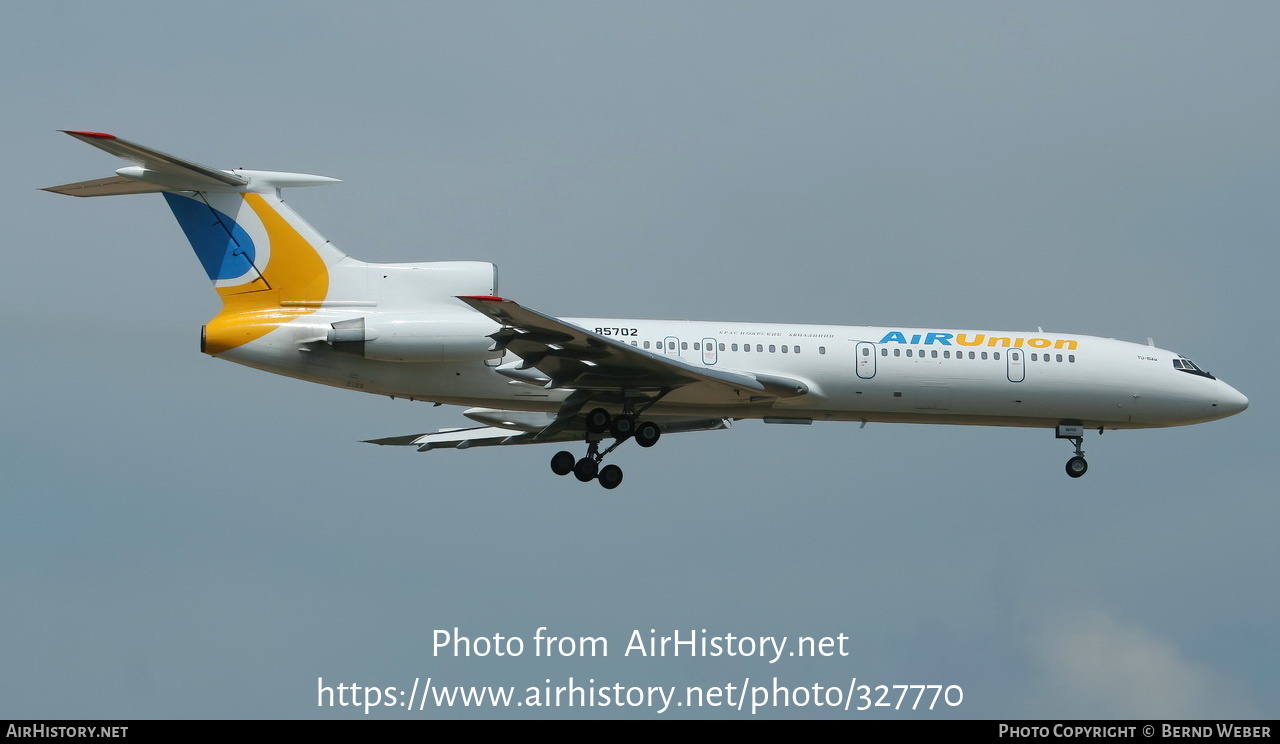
159,162
153,171
113,186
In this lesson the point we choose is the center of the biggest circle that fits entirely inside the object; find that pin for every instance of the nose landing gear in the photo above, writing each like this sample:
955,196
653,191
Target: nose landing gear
1074,433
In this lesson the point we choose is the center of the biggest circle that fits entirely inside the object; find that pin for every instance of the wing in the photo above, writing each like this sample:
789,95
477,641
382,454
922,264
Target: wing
558,354
571,357
457,438
487,436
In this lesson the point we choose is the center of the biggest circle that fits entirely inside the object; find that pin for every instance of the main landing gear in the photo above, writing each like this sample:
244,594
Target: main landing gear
621,427
1074,433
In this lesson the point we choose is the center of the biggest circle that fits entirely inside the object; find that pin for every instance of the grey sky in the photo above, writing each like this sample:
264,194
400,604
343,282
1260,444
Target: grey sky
180,537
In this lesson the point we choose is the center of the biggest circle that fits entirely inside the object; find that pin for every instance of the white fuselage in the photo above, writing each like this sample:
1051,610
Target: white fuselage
920,375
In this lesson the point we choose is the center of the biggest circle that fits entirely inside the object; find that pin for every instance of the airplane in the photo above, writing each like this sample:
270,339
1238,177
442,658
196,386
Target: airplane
294,305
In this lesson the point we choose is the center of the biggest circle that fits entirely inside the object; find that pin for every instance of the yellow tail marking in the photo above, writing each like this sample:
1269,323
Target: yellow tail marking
294,272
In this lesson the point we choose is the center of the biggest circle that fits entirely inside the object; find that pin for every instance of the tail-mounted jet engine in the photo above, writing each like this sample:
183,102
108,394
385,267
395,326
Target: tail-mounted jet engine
414,338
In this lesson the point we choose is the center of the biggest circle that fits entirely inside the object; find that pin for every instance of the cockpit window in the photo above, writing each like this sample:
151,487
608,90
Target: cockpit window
1186,365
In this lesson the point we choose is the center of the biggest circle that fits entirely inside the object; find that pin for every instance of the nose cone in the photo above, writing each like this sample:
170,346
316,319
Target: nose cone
1231,401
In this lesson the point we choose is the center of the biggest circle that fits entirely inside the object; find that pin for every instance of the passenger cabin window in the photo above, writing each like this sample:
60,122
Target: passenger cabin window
822,350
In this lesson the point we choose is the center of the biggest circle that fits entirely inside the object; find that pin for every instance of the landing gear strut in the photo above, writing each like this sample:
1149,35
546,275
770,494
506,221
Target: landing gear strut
1074,433
622,427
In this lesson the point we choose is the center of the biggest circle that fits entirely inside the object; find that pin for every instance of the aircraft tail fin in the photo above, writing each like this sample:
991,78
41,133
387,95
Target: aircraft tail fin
259,253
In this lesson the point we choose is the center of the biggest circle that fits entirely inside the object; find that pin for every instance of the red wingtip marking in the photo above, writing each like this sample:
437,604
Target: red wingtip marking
95,135
491,298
